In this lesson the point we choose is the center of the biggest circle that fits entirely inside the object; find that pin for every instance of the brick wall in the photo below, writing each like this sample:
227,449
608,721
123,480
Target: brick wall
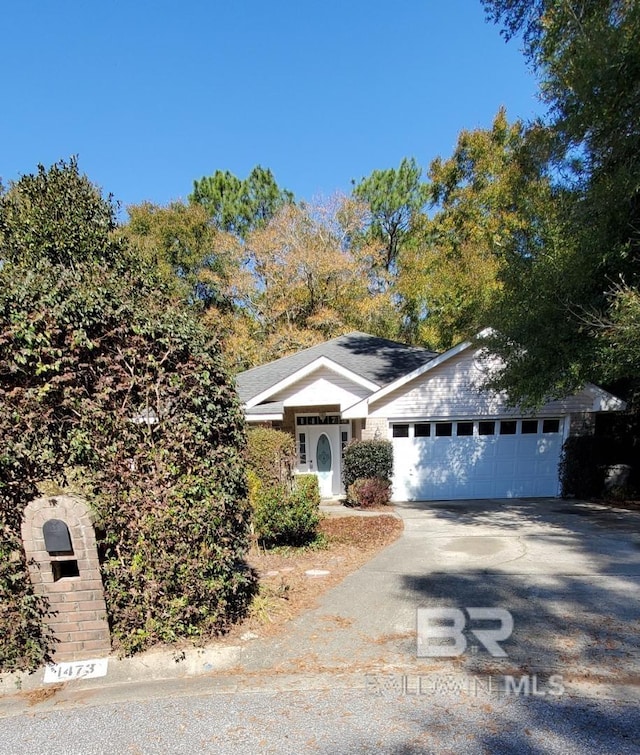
80,619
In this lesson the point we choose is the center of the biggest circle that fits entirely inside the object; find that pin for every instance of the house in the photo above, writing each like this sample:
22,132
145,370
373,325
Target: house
451,439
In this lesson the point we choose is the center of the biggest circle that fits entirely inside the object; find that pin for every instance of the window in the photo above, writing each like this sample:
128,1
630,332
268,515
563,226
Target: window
444,429
508,427
464,428
529,426
422,430
302,448
487,428
322,419
344,437
401,431
551,426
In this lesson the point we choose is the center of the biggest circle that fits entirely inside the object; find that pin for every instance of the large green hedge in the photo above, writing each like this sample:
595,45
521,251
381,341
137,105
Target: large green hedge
107,381
582,467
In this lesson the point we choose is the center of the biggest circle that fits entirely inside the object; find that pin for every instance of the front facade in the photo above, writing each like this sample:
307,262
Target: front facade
451,439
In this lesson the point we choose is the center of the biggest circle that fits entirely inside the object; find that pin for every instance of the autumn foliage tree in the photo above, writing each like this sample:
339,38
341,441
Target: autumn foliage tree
308,282
487,200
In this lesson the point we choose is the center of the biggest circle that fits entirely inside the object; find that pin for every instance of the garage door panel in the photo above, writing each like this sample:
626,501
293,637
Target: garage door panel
479,466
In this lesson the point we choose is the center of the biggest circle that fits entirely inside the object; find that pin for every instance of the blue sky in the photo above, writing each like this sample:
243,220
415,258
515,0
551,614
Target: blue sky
151,94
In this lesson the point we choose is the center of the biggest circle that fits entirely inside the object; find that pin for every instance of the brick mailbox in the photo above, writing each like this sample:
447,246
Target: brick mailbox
60,545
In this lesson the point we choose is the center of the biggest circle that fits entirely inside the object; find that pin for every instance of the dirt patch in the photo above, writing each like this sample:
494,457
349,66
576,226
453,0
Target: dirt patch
285,588
33,697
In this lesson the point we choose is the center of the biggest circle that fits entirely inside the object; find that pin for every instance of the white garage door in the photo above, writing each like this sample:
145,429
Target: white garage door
515,458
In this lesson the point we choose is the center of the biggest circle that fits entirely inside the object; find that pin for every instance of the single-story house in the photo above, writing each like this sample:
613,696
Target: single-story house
451,439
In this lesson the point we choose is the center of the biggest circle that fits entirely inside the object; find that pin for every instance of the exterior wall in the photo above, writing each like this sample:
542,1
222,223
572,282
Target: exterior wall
323,387
453,389
289,419
357,428
80,620
376,427
582,423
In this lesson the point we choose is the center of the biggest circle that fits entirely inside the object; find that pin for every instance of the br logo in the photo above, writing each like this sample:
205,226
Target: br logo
441,631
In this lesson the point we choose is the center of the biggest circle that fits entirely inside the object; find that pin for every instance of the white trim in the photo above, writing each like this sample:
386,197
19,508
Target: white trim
263,417
355,411
603,401
307,370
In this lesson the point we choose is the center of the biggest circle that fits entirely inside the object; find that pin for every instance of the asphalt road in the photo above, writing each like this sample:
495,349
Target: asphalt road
338,718
345,677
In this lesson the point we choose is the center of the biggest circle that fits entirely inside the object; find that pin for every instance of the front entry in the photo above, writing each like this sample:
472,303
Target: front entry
320,440
324,461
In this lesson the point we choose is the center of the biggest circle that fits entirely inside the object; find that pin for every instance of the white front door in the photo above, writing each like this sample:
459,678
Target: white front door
320,453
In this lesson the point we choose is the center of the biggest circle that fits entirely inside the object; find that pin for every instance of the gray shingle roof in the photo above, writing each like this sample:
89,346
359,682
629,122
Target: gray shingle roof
377,359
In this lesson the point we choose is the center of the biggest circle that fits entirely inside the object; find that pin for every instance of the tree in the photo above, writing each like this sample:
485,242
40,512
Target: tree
181,241
306,283
587,55
239,206
110,386
487,199
395,198
207,269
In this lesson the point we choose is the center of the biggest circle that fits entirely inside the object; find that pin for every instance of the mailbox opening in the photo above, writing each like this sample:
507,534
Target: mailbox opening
62,569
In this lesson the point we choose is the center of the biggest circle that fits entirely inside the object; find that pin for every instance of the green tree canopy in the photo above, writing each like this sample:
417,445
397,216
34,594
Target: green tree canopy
564,311
240,206
395,197
487,199
187,248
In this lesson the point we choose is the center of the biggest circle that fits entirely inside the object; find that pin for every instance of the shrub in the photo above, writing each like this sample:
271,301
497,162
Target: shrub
282,517
105,376
581,469
364,459
271,455
370,492
307,486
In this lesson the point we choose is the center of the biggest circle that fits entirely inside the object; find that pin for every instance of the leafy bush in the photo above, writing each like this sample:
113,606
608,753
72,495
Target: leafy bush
26,641
370,492
307,486
271,455
582,472
364,459
104,376
282,517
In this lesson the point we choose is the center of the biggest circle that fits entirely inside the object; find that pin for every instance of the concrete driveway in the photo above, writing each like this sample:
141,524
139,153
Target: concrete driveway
568,572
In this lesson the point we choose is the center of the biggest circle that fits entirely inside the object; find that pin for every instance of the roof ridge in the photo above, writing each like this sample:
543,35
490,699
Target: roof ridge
295,353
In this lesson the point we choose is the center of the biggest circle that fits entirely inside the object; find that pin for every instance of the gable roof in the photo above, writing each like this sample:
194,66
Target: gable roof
376,360
602,400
